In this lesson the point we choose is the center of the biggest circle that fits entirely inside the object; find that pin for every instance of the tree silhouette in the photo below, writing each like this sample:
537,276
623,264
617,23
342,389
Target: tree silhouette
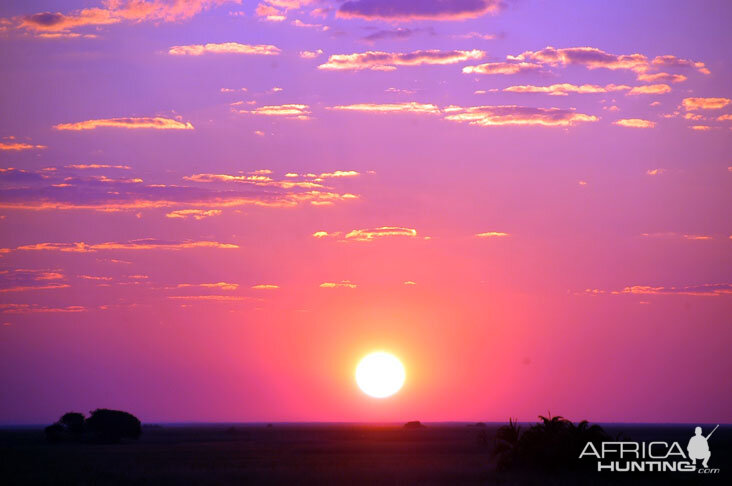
73,421
553,444
112,425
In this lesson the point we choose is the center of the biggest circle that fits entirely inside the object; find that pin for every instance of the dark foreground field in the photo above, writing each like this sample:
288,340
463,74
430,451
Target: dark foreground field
449,454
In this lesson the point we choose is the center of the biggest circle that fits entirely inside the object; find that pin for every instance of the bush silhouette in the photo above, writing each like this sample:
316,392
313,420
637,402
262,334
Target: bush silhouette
553,444
113,425
102,426
73,421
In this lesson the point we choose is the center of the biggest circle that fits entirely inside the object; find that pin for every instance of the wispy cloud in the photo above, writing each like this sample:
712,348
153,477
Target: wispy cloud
346,284
388,61
197,214
502,68
563,89
372,234
292,111
135,245
39,309
407,107
492,234
156,123
311,54
651,89
516,115
634,123
115,11
18,146
265,287
216,285
703,290
225,48
418,9
691,104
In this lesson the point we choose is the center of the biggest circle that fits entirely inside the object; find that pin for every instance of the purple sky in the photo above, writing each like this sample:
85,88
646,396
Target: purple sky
211,210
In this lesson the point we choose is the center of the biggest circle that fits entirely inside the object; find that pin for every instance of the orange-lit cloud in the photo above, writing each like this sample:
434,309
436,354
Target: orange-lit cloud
565,88
407,107
635,123
38,309
390,10
502,68
265,287
197,214
157,123
701,128
388,61
373,234
492,234
342,284
516,115
311,54
18,146
292,111
97,166
217,285
703,290
594,58
662,78
216,298
140,244
224,48
115,11
651,89
26,288
691,104
653,172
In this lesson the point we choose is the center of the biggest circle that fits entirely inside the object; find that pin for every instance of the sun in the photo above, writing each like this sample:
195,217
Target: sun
380,374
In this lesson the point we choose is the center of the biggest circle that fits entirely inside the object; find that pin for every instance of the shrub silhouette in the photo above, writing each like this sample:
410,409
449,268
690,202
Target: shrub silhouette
113,425
102,426
553,444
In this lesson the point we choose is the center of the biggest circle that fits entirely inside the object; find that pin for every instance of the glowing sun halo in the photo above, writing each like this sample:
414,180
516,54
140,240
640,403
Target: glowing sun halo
380,374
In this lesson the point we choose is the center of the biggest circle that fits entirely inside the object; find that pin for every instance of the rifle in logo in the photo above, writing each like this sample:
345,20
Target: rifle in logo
698,447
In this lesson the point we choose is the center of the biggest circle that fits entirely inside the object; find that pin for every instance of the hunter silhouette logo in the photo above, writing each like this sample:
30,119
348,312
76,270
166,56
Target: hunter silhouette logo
698,447
656,456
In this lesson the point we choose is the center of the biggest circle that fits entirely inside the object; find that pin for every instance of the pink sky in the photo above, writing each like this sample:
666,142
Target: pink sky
211,210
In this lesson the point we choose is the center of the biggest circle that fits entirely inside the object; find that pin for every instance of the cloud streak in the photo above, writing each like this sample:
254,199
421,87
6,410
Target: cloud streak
388,61
409,10
132,123
225,48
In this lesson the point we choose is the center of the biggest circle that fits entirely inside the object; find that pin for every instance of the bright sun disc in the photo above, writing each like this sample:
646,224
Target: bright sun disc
380,374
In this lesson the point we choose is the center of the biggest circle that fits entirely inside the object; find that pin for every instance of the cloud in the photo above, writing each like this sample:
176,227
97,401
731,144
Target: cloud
388,61
96,166
407,10
691,104
39,309
634,123
408,107
347,284
594,58
215,298
516,115
115,11
492,234
651,89
157,123
217,285
339,173
197,214
290,111
311,54
382,232
50,190
701,128
18,146
563,89
662,77
502,68
225,48
139,244
703,290
727,117
398,33
653,172
321,234
265,287
24,280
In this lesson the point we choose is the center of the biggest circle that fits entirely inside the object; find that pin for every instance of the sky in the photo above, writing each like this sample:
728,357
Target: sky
211,210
